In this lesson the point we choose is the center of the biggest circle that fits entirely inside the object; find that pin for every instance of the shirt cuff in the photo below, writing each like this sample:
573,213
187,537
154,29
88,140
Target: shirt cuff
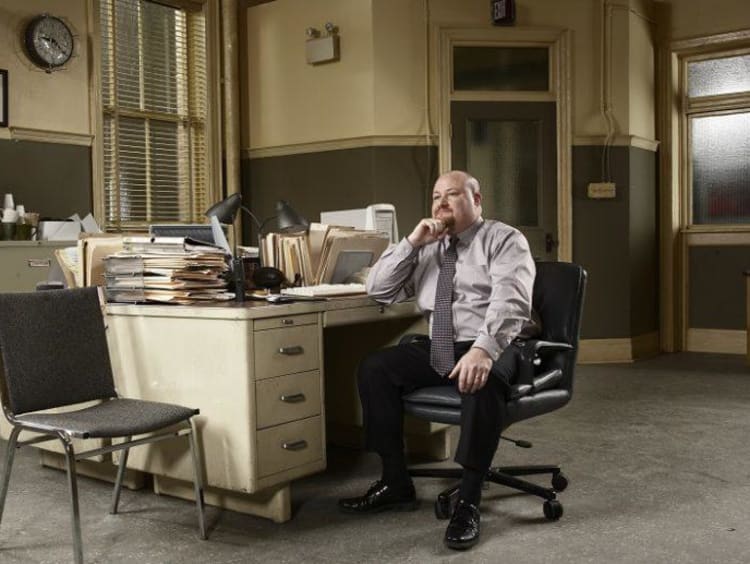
489,345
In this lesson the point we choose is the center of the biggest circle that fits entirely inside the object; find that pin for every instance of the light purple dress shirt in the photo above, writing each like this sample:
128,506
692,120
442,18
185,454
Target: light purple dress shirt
492,287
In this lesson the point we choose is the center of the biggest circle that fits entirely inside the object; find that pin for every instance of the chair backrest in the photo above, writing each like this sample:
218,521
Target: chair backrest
54,349
558,299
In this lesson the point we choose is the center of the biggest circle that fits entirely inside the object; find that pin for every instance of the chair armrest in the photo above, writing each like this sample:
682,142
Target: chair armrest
541,347
540,383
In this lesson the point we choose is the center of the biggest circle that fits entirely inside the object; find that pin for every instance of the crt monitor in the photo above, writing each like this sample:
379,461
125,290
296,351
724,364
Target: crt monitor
379,217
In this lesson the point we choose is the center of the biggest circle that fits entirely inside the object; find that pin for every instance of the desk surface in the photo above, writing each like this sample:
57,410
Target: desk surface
336,311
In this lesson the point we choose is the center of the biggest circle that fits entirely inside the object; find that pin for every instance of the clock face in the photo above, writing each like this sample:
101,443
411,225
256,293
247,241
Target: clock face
49,41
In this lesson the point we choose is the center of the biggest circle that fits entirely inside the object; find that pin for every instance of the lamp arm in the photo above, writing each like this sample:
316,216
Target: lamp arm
258,224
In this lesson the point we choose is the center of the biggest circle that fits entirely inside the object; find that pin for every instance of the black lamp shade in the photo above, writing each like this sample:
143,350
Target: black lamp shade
287,219
226,209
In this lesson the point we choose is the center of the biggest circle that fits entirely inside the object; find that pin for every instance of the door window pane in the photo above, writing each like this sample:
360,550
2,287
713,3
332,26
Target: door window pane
497,153
720,153
501,68
727,75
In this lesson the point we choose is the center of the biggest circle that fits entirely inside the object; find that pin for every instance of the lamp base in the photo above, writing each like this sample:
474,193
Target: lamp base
238,279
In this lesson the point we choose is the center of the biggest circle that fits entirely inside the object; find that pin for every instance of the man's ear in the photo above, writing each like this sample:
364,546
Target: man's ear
477,198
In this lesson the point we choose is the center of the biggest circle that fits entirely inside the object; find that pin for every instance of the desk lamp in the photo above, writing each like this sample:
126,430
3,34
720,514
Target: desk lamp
287,220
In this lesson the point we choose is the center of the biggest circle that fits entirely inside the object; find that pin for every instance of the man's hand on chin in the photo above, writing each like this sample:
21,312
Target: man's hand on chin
472,370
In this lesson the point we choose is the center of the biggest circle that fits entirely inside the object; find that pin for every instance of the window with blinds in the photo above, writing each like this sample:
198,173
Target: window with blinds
154,114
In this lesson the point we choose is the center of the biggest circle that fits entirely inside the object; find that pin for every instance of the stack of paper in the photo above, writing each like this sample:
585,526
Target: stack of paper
166,269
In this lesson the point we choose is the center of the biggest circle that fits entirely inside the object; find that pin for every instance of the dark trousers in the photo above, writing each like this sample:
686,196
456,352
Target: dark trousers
384,376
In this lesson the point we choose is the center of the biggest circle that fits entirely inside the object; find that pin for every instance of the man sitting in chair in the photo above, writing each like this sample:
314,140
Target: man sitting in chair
473,278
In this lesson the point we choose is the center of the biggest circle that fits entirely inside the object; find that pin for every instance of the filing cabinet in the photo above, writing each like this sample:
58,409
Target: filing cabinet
24,263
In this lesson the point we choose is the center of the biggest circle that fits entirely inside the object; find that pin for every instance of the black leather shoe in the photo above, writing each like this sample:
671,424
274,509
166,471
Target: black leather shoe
463,530
381,497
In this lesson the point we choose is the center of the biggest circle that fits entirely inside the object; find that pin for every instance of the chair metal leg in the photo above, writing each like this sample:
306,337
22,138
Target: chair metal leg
528,470
70,460
521,485
9,456
198,480
120,474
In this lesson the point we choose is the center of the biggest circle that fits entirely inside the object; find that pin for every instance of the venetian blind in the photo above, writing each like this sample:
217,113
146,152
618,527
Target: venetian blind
154,100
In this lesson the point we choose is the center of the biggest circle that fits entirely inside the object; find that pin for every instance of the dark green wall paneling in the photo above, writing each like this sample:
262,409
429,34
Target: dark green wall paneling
644,242
600,243
49,178
343,179
716,293
616,240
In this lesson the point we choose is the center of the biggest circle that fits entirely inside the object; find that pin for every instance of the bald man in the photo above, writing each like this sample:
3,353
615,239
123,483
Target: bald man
476,309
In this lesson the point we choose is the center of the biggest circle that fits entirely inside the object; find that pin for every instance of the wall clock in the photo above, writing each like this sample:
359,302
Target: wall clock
49,42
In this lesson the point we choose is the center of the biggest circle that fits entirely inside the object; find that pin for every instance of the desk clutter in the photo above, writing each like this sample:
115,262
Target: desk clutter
325,254
166,270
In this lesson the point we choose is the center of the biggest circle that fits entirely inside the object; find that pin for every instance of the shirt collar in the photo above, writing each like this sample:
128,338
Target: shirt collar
467,235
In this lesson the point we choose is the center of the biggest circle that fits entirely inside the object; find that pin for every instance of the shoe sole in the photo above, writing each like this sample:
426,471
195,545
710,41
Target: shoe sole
403,506
461,545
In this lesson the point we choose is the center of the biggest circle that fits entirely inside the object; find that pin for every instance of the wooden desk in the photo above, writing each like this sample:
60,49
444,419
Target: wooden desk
256,371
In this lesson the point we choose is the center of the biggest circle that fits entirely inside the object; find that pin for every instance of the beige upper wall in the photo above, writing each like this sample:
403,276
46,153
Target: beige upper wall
698,18
293,102
58,101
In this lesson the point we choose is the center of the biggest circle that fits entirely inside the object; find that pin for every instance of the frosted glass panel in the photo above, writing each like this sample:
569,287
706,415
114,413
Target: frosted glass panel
498,154
501,68
720,151
719,76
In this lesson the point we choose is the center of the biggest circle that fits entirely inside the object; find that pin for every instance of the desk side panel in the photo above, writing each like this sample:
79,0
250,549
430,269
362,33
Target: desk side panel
202,363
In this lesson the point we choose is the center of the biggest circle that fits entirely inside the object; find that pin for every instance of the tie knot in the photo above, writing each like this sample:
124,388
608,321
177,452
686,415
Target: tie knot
453,242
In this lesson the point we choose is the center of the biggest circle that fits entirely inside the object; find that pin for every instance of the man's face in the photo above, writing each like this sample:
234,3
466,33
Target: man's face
454,203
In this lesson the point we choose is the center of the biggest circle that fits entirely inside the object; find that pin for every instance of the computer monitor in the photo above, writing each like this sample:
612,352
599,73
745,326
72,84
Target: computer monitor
379,217
197,231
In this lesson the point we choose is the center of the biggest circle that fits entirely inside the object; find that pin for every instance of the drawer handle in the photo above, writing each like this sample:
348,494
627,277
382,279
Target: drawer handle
291,350
287,321
293,398
38,263
296,445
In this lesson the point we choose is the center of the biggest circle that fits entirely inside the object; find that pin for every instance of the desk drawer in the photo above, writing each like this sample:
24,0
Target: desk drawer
287,398
286,321
286,351
286,446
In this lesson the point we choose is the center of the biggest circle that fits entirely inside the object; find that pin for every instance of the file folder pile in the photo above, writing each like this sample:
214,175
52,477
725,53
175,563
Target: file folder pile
325,255
167,270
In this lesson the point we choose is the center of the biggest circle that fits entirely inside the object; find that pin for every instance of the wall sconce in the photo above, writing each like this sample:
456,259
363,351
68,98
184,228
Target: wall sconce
323,49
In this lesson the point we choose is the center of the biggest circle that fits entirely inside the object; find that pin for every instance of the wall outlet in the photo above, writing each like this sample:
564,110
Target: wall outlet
600,190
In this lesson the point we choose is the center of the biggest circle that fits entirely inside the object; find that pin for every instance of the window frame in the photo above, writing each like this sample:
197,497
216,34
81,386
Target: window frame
210,10
705,106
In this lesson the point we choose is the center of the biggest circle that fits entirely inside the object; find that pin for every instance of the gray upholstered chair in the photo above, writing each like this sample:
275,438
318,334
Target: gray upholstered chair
54,354
544,384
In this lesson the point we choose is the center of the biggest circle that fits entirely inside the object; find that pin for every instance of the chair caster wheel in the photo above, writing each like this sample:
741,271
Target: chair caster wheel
559,482
443,507
553,509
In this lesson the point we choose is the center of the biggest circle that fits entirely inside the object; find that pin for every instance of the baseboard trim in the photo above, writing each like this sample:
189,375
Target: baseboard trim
629,349
726,341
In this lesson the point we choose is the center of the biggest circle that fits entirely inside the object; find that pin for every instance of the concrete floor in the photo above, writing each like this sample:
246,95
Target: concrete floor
656,453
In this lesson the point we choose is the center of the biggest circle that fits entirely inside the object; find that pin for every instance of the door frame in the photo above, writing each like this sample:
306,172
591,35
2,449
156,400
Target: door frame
558,41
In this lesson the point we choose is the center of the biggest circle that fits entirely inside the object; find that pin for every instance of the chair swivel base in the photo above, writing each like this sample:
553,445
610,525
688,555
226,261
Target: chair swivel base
504,476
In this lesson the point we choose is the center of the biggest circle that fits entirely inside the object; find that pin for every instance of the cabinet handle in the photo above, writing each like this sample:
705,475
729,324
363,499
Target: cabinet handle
38,263
291,350
287,321
293,398
296,445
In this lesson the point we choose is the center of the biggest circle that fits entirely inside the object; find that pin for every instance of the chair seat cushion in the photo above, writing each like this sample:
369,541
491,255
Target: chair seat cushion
442,404
112,418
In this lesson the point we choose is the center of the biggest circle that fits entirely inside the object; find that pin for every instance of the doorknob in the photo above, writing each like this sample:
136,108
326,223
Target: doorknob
550,243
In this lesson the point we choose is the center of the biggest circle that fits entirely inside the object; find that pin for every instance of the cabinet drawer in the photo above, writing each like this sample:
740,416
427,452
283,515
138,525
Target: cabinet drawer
287,321
286,446
286,351
287,398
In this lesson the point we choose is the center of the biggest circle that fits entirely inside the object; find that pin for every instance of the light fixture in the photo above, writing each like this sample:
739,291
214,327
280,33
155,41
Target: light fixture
322,49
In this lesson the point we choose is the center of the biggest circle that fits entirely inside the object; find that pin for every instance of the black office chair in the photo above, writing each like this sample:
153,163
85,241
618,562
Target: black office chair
544,384
53,354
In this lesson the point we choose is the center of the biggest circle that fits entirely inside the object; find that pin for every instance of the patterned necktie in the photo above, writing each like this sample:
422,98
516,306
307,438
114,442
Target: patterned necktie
442,357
